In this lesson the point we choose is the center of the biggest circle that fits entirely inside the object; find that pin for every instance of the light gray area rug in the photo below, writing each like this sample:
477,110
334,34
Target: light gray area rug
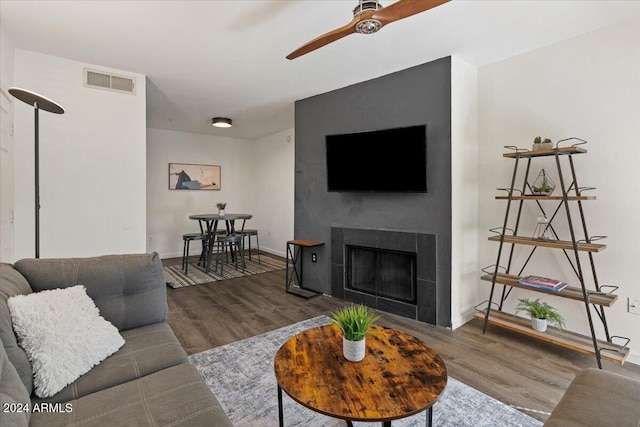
241,376
175,278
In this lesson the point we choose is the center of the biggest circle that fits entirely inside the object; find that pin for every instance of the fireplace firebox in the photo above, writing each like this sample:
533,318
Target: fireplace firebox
382,272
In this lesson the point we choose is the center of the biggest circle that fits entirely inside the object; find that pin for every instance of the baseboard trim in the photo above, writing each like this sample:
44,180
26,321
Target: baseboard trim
633,358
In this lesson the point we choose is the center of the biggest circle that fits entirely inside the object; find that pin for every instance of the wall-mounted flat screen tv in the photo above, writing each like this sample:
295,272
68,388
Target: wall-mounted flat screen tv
389,160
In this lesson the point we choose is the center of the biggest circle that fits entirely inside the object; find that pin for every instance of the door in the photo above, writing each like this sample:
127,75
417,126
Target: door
6,175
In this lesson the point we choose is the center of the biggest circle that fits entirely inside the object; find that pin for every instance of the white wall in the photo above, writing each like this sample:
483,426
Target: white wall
464,188
6,148
273,183
6,59
587,87
168,210
92,162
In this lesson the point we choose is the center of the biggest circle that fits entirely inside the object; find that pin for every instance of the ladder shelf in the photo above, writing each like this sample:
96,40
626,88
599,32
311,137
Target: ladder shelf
593,298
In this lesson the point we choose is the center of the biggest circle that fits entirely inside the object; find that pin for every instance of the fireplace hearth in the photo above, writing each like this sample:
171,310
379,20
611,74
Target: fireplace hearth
393,271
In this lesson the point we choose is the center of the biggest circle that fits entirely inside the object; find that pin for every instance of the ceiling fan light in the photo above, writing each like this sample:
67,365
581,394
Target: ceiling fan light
221,122
368,26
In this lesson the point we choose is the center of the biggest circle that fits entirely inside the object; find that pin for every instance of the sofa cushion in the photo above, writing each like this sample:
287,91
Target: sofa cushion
13,395
129,290
146,350
13,283
63,334
598,398
175,396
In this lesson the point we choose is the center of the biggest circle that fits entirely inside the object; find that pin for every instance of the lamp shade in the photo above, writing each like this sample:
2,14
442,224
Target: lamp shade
31,98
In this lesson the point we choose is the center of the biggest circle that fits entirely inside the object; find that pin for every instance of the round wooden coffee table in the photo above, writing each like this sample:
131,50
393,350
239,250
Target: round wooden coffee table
399,376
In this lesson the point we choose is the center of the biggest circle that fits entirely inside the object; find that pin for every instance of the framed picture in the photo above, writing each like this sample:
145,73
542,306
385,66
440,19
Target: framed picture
184,176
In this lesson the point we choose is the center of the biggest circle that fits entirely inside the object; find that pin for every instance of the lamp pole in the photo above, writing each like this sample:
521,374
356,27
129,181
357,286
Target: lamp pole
36,128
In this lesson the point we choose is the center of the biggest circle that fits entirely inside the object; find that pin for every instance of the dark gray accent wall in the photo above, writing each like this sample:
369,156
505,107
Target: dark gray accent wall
416,96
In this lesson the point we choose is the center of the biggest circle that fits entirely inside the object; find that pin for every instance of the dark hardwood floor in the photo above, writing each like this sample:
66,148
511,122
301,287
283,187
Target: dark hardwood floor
512,368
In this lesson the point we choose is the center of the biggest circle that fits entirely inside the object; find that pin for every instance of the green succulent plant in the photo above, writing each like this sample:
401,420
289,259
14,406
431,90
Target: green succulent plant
354,321
544,187
221,205
540,310
537,140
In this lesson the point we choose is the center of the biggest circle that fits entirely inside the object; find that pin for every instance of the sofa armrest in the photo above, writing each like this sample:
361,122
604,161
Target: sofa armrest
129,290
598,398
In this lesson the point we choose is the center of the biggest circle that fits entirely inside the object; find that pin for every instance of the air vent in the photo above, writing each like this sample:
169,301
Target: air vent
100,80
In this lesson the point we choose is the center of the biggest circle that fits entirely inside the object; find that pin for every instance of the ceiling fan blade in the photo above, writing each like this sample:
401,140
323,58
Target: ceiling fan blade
324,40
404,8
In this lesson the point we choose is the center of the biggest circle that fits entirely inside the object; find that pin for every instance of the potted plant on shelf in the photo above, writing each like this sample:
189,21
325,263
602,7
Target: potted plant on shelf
354,322
539,144
541,313
221,207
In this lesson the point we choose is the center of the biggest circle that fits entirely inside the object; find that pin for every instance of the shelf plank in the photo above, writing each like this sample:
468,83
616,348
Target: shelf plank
557,244
533,197
571,292
548,152
608,351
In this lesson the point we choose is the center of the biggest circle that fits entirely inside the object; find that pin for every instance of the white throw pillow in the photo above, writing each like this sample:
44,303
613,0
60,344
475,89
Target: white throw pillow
63,334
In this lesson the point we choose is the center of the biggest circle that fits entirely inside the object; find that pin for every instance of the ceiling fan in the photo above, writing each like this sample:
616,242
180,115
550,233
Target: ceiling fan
368,17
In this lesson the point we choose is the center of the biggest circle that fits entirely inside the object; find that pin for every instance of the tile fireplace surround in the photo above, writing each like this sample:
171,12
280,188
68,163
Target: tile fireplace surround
423,245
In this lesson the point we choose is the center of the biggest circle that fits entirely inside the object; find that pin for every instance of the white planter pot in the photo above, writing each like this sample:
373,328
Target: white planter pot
353,350
543,146
220,211
539,325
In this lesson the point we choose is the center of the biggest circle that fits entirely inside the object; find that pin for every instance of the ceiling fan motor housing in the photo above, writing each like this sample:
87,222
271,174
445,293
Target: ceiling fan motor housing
366,6
367,26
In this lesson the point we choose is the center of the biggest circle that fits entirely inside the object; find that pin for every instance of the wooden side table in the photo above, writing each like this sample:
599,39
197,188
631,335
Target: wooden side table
399,376
295,251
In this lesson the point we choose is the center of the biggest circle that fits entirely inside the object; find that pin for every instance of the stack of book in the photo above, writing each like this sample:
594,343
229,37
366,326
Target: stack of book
545,283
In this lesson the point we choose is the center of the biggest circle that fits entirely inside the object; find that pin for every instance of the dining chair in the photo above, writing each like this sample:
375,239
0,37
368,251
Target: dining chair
226,243
188,238
246,234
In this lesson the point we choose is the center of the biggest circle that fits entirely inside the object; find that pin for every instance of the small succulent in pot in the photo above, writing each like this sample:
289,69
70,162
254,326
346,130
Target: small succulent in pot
540,144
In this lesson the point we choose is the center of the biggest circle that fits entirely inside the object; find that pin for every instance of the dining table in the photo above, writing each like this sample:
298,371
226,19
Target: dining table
211,225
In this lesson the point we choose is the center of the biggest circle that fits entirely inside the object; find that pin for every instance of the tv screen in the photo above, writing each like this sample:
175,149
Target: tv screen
392,160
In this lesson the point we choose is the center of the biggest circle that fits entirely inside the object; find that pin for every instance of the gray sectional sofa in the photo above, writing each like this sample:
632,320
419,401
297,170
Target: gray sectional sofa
148,382
598,398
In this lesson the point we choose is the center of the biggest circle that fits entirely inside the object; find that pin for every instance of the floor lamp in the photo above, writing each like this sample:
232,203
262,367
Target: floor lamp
38,102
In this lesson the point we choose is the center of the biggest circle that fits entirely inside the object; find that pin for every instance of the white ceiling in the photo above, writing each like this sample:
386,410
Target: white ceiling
227,58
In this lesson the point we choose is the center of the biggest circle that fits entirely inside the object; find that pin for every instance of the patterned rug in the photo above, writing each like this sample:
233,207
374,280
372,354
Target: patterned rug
175,277
241,376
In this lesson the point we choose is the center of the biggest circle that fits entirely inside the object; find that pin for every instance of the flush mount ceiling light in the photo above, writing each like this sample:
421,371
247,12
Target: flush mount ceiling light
221,122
